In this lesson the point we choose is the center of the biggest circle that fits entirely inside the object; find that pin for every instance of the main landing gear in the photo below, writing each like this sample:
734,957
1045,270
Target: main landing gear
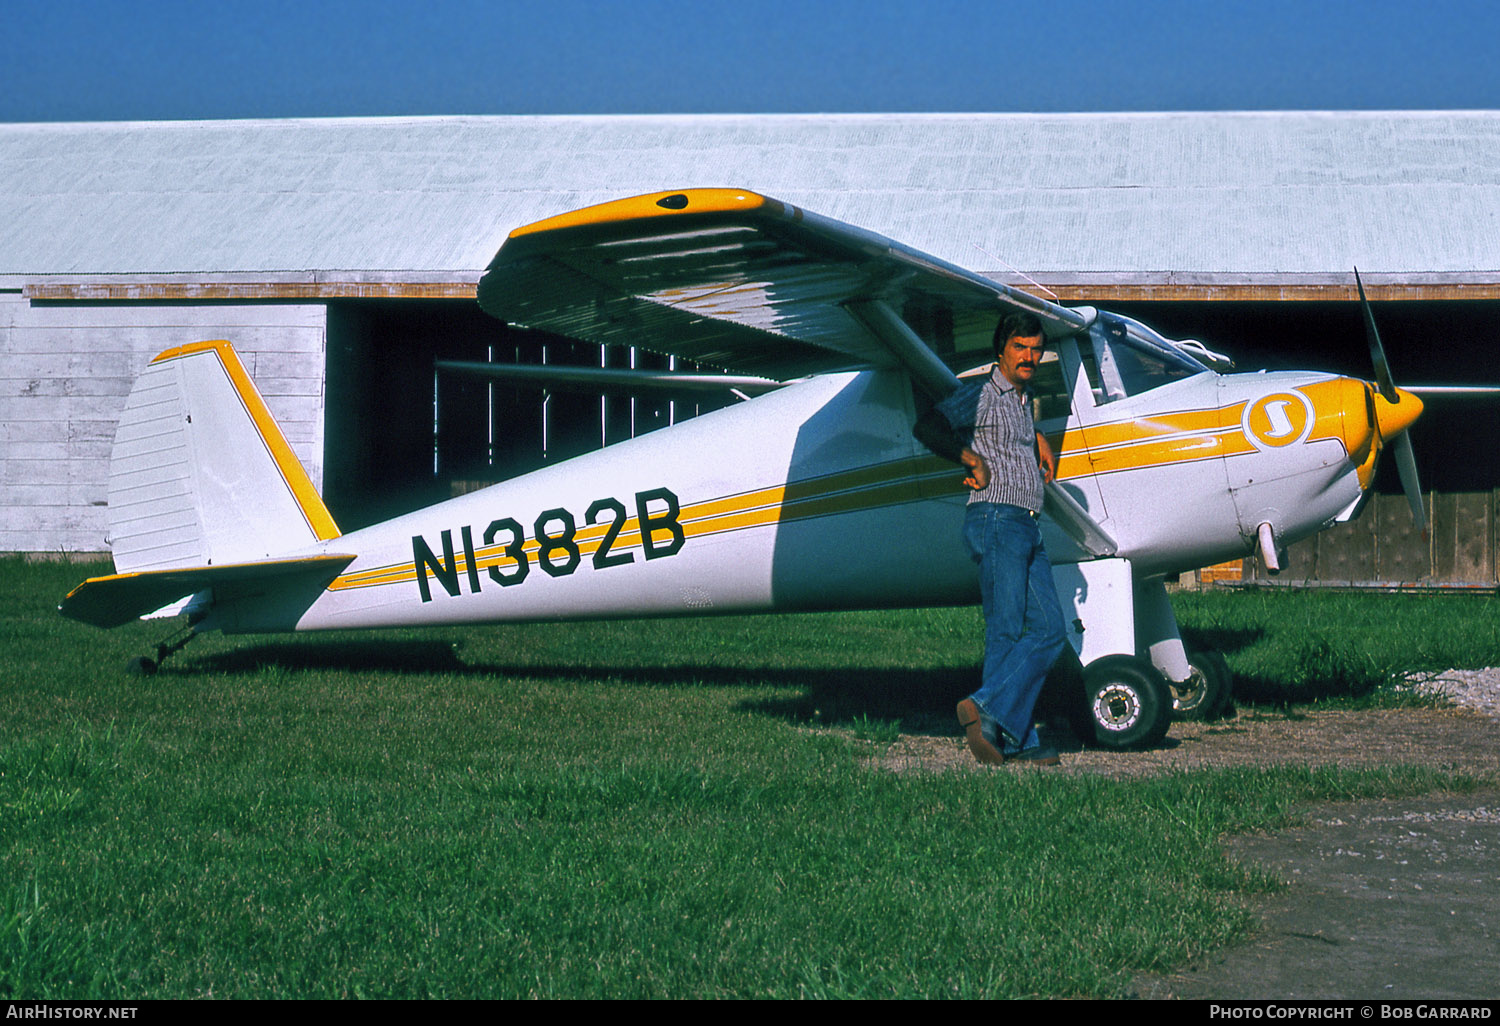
1136,673
1208,693
1124,702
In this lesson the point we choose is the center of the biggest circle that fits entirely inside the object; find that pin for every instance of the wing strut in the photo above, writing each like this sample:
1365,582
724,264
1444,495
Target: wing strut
927,372
1067,513
611,379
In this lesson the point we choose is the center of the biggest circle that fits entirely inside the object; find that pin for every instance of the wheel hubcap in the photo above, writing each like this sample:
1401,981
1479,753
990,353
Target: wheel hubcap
1117,707
1187,694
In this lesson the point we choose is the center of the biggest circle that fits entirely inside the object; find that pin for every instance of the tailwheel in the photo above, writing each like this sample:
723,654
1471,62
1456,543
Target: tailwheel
145,666
1207,692
1127,703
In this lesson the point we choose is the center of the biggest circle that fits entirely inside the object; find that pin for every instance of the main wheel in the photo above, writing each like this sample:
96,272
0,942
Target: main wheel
1206,692
1127,702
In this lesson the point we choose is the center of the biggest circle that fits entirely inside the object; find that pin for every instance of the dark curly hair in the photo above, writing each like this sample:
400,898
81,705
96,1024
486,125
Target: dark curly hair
1020,324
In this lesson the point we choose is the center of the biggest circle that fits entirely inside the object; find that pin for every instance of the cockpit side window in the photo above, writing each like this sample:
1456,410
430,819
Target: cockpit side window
1049,391
1123,358
1088,358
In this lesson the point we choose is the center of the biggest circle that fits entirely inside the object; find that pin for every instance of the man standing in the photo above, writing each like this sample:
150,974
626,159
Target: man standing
986,426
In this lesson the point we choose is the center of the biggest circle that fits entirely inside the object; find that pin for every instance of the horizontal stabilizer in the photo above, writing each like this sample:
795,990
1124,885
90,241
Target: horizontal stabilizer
119,598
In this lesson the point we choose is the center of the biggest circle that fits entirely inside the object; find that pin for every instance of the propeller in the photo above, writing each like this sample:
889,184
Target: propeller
1406,459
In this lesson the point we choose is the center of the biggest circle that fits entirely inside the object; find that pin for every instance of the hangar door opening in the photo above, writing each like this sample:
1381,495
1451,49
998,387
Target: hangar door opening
401,433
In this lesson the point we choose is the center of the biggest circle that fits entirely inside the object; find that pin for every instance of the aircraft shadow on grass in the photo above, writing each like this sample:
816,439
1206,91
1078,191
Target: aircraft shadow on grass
916,701
814,694
420,657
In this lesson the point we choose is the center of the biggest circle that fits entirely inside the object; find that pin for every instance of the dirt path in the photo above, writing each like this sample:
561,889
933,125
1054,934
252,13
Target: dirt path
1447,738
1395,900
1385,900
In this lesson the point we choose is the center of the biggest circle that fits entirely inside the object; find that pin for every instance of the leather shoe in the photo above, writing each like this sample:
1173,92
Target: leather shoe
983,747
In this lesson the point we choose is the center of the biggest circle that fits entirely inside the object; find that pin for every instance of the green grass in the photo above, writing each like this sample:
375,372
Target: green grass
1303,646
649,809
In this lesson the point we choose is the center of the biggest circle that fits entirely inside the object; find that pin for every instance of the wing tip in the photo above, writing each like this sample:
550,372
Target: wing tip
649,205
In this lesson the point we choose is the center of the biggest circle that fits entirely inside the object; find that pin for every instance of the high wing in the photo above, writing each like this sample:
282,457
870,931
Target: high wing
732,279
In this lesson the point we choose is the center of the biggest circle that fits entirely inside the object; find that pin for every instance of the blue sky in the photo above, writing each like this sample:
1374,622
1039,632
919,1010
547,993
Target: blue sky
70,60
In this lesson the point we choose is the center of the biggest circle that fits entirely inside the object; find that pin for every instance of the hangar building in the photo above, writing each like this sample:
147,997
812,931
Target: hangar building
341,257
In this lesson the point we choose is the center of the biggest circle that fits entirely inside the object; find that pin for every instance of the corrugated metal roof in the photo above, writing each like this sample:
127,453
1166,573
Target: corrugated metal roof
1131,197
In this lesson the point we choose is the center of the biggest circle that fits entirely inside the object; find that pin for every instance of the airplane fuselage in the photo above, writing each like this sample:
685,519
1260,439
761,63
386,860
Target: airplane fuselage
817,497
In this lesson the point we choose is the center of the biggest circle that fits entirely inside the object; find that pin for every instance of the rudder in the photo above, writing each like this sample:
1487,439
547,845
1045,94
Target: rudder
201,475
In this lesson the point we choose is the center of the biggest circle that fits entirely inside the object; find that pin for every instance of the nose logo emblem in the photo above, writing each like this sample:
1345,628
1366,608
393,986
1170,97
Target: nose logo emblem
1281,424
1278,420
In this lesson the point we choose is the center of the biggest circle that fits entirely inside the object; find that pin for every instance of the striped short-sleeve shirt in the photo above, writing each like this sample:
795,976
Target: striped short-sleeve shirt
993,417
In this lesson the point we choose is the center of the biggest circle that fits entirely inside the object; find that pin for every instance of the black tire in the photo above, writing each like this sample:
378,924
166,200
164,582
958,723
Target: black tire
1127,702
1206,692
140,666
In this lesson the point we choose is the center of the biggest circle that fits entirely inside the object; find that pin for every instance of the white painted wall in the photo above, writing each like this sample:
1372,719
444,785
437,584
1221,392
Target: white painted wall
65,372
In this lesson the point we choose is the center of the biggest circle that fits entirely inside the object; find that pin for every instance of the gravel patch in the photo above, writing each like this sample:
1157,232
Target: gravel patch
1383,900
1464,736
1452,738
1477,690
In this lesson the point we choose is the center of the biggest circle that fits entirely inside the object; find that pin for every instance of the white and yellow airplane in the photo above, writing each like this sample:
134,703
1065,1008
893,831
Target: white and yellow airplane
812,495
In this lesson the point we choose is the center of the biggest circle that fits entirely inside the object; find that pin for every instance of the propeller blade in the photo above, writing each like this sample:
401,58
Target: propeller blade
1406,458
1377,351
1406,463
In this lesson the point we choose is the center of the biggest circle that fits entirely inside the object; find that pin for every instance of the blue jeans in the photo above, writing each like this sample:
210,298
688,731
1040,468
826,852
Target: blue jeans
1023,623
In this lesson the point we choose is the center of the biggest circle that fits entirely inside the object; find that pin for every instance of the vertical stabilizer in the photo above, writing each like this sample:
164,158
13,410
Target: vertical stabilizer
201,475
